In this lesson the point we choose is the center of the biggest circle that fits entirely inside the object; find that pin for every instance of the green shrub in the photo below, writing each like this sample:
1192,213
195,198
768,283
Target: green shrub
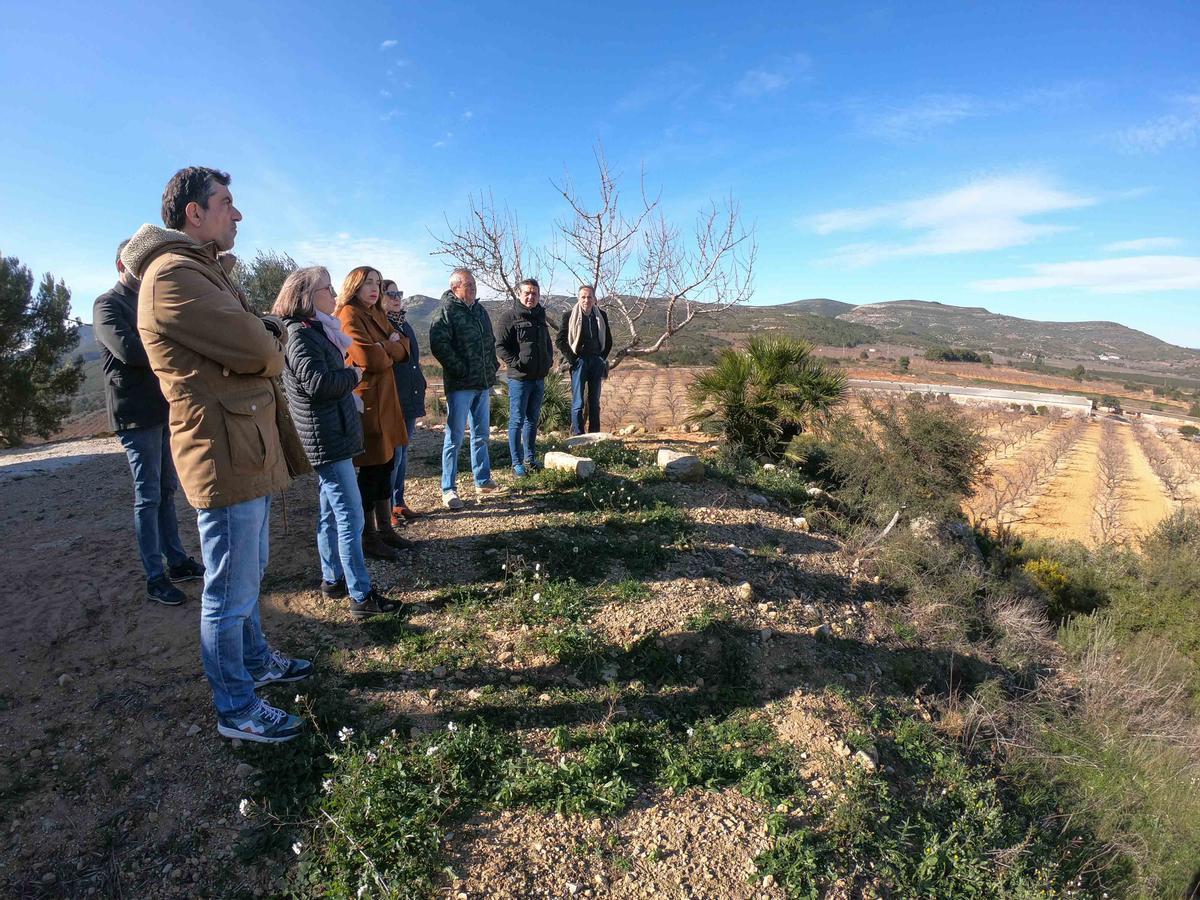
919,453
1064,597
1189,431
760,398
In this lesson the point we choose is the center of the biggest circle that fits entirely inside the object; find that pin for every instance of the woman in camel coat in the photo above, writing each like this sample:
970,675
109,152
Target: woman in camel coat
375,346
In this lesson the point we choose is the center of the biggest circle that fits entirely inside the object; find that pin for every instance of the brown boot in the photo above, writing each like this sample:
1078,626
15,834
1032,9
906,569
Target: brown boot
383,523
373,545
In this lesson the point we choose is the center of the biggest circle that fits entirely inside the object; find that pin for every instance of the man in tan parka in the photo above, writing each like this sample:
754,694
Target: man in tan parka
215,360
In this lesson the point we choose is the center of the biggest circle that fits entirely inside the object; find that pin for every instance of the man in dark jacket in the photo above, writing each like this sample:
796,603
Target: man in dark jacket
461,339
523,343
137,412
585,340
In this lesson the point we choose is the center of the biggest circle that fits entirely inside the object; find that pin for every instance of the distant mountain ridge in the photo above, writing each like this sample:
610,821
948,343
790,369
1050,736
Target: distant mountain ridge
976,328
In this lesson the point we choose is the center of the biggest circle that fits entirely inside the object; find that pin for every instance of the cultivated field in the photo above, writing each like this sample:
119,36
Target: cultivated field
1095,480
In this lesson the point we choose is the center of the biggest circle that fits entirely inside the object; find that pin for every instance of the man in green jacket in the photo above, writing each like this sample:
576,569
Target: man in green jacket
461,339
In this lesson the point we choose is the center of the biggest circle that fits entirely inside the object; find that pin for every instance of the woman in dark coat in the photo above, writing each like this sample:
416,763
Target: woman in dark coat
410,386
319,389
375,346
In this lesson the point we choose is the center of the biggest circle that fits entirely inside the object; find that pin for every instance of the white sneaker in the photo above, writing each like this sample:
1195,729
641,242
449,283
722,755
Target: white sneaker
450,500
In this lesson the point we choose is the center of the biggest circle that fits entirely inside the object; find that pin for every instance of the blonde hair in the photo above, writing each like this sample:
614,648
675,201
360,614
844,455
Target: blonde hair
354,281
296,296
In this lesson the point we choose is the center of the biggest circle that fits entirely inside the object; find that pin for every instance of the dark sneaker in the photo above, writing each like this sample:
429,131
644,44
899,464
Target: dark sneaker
160,590
375,548
533,465
282,668
188,570
334,590
264,724
372,605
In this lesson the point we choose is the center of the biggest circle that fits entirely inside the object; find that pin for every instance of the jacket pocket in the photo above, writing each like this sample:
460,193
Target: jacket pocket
249,420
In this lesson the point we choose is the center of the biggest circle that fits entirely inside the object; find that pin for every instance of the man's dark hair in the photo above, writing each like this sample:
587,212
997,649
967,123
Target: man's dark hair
120,247
195,184
532,281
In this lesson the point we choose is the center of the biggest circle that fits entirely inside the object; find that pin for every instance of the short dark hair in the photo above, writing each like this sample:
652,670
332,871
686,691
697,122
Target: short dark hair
195,184
120,247
532,281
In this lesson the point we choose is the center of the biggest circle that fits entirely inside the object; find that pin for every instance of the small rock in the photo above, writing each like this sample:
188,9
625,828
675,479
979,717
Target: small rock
580,465
49,878
824,632
738,551
757,500
850,677
438,672
544,698
474,694
584,440
840,748
243,770
434,694
680,466
766,634
768,881
63,680
193,730
801,523
745,591
236,744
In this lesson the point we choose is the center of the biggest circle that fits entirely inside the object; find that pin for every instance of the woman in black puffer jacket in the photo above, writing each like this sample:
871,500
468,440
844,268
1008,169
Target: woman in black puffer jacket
319,389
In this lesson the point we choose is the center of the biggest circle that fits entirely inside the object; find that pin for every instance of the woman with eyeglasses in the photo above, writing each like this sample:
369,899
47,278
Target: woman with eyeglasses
320,392
375,346
410,385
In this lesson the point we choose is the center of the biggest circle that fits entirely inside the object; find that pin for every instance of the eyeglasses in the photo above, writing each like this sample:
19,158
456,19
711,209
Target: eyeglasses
395,295
327,287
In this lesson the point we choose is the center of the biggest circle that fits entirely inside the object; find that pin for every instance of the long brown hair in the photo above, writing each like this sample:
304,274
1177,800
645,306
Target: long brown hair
354,281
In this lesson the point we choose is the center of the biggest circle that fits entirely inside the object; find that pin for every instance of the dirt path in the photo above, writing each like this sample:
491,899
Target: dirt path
1147,503
1064,509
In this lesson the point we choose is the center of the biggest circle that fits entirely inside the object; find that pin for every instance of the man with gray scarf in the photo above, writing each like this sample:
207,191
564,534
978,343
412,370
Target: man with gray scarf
585,340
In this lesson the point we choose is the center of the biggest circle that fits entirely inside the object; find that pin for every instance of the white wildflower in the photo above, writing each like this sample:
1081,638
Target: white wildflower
451,726
345,734
432,750
245,807
691,732
297,847
537,567
371,757
537,598
327,785
362,891
299,699
504,567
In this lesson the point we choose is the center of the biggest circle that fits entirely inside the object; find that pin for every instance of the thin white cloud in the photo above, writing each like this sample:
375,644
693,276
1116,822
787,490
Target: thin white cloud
1182,126
920,116
410,266
1128,275
769,79
388,45
468,115
1150,243
671,84
986,214
444,139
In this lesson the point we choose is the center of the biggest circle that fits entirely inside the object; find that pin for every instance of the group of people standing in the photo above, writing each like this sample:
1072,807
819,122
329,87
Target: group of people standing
204,392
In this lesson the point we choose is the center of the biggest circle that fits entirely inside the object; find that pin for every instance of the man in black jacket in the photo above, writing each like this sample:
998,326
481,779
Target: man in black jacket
137,412
523,343
584,340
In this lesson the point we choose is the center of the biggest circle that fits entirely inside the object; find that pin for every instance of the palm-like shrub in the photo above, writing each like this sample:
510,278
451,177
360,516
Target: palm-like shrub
760,398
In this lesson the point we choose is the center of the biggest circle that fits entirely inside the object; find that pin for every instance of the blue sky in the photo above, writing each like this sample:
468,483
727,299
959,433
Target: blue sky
1041,160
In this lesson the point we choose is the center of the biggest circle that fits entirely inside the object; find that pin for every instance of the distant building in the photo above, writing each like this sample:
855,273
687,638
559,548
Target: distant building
1109,357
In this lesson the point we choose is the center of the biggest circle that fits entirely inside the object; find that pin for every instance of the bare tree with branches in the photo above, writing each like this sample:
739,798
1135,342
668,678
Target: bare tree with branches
648,274
1112,466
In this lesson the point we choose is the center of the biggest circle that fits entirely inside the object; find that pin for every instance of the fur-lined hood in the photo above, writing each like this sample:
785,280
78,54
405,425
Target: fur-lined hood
150,241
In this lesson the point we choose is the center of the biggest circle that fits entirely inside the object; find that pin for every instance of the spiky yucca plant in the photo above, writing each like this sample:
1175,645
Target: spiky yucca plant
762,397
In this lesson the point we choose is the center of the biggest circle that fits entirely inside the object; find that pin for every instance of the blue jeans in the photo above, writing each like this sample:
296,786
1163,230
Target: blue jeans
233,540
460,405
340,526
586,375
154,484
401,470
524,409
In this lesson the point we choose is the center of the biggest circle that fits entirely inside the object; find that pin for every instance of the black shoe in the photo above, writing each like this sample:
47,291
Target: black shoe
160,590
334,590
394,540
372,605
188,570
